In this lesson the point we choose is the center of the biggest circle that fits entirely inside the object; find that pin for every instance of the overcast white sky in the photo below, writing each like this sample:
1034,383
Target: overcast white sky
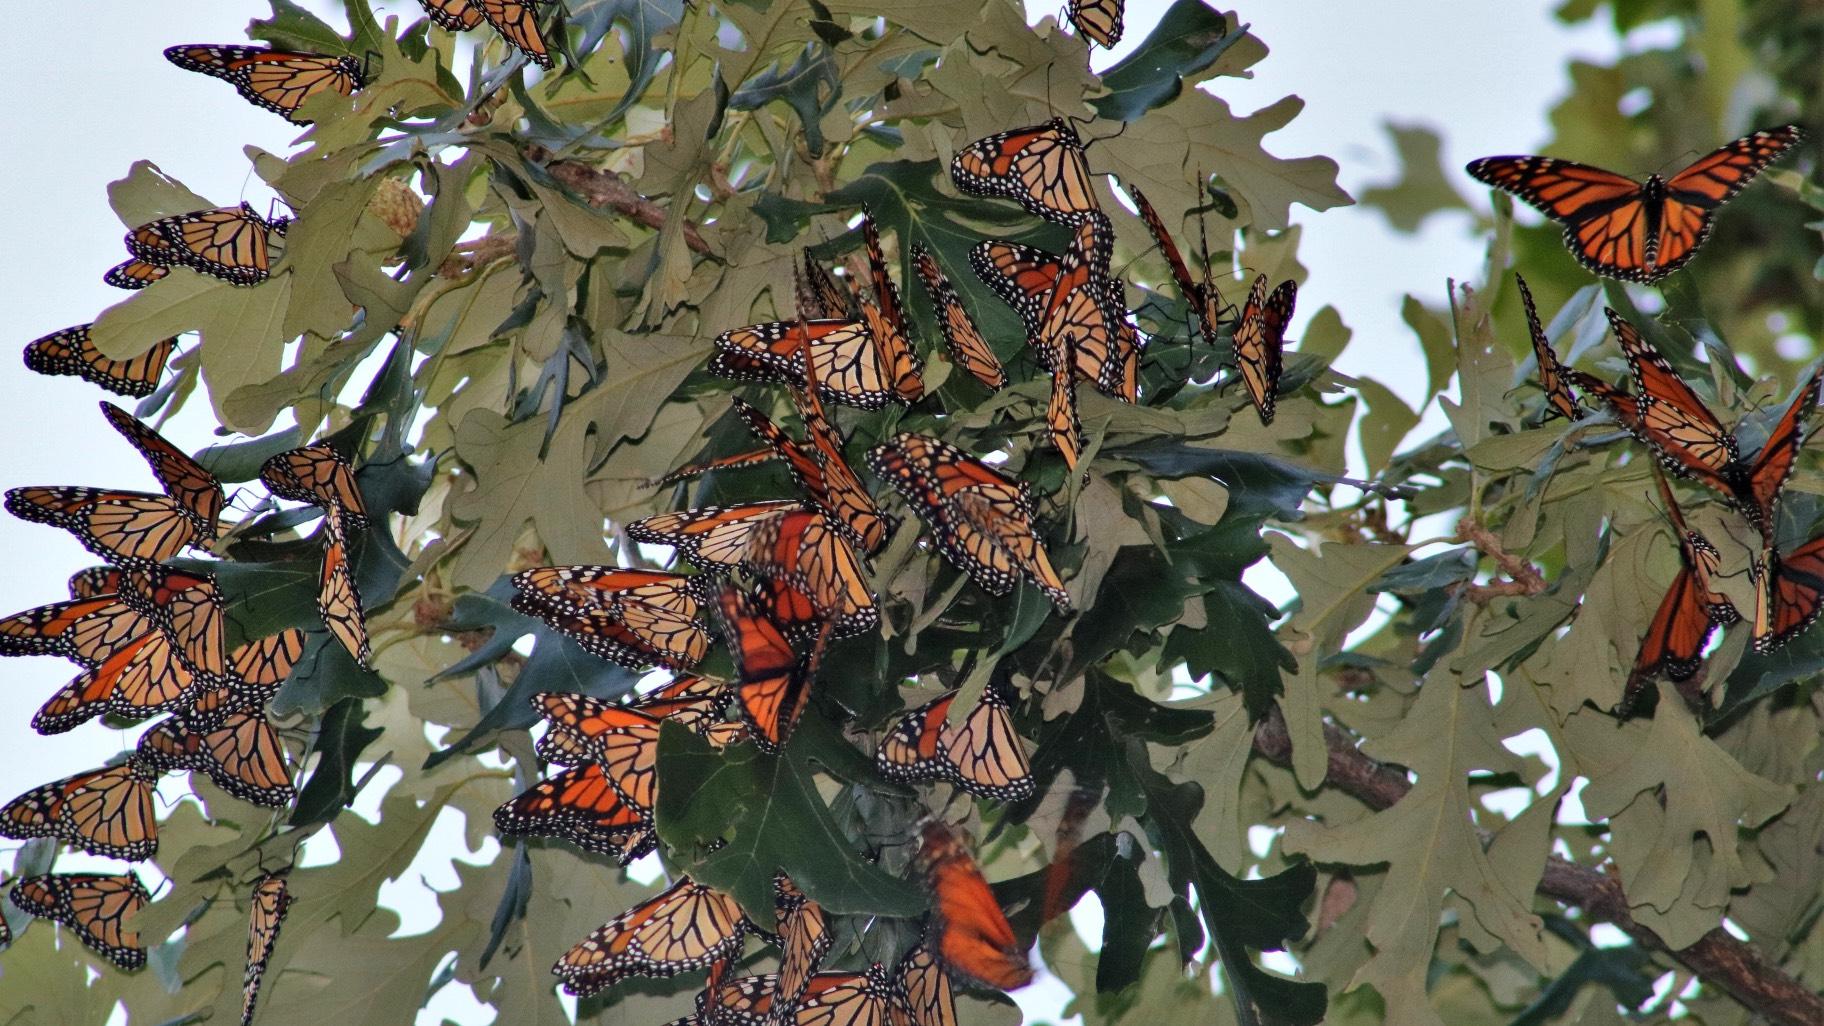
1482,72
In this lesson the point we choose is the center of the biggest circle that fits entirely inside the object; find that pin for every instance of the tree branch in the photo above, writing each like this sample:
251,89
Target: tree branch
606,189
1718,959
1523,578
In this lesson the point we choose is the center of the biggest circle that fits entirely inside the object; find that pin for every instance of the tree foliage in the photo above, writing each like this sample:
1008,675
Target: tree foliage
501,292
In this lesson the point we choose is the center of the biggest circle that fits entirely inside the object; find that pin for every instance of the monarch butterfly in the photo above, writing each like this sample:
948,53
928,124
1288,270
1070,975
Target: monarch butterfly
134,274
816,292
1099,21
851,368
632,617
747,1001
241,753
229,243
95,906
773,679
1027,278
962,339
1041,167
515,20
968,931
319,475
1691,442
278,80
804,938
70,352
338,599
271,901
580,806
799,551
925,994
102,812
94,582
982,754
886,321
1202,297
129,528
982,521
1788,595
187,608
1636,231
1690,610
1260,342
144,677
687,927
1559,400
820,470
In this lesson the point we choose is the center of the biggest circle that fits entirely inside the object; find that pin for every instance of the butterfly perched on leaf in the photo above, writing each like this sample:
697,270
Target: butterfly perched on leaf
1200,295
1079,308
1041,167
1789,594
319,475
271,901
70,352
94,906
773,677
580,806
816,293
1636,231
278,80
133,528
982,520
817,464
981,753
925,995
338,597
1259,342
240,751
515,20
636,618
962,339
968,932
886,319
804,938
695,703
230,243
1689,612
850,364
809,572
686,927
1552,380
1691,442
102,812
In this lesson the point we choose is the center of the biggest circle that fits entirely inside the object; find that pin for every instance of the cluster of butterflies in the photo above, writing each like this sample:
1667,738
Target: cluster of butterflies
151,638
1636,231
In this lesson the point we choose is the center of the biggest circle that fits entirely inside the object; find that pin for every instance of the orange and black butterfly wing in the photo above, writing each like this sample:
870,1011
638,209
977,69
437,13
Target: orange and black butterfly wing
319,475
70,352
689,926
94,905
1608,220
278,80
517,22
773,680
1098,21
134,274
1188,287
1022,276
1790,596
110,812
182,478
579,805
126,528
271,901
1041,167
1260,342
1778,455
984,755
969,932
338,599
962,339
1559,400
1683,433
454,15
925,994
1693,195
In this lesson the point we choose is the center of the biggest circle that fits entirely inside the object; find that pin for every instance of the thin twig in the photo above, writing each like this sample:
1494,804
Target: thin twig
1522,577
1718,959
601,188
